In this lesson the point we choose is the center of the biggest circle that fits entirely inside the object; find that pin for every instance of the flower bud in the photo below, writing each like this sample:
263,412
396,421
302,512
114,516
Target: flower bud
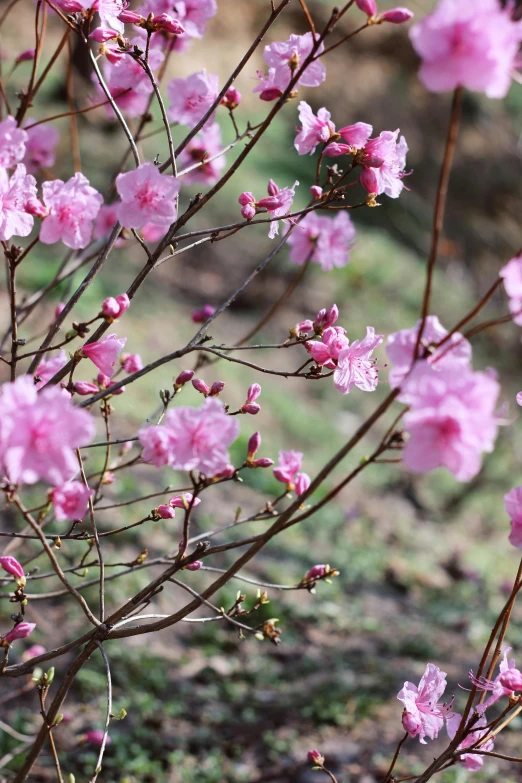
270,94
284,476
25,56
108,477
269,202
119,390
184,377
314,757
263,462
114,56
35,207
20,631
410,723
11,566
246,198
368,7
253,392
95,737
320,318
232,98
33,652
316,572
248,211
58,310
131,17
303,327
336,149
301,482
168,24
131,362
216,388
369,180
397,15
184,501
85,387
332,314
253,444
251,407
102,36
110,308
272,188
103,380
511,679
228,472
123,302
195,566
316,192
200,316
166,512
200,386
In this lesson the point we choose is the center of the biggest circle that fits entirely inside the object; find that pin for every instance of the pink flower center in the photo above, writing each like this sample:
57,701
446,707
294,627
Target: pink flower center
147,196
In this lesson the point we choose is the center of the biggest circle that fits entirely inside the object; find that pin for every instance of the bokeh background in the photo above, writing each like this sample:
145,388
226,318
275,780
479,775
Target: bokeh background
424,561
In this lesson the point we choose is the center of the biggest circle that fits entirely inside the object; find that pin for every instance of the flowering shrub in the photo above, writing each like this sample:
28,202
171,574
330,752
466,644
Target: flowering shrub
56,410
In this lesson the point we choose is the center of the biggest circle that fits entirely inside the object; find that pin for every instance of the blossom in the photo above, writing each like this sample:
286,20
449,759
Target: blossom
109,11
11,566
471,761
472,44
39,146
114,307
105,221
383,161
288,471
501,686
12,142
70,500
511,274
423,716
283,202
103,353
73,206
185,501
128,82
323,240
356,135
231,99
202,315
451,420
355,365
314,130
326,351
47,369
190,98
20,631
131,362
191,438
205,144
400,347
166,512
147,196
95,737
15,195
33,651
193,14
513,503
287,57
39,432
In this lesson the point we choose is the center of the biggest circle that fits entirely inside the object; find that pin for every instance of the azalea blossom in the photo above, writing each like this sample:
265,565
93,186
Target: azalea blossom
324,240
383,160
47,369
511,274
354,136
193,14
73,207
355,365
147,196
105,222
190,98
191,438
16,194
423,716
314,130
12,142
39,432
451,420
288,472
128,82
204,146
400,347
109,11
471,761
71,500
11,566
513,503
471,44
283,199
131,362
284,58
40,146
104,353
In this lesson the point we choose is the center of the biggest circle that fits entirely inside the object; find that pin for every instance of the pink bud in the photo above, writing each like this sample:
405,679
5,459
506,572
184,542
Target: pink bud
263,462
332,315
131,362
397,15
316,572
335,149
169,24
33,652
253,392
184,377
166,512
302,482
124,303
356,135
270,94
272,188
314,757
60,307
103,380
216,388
85,388
410,723
253,444
284,476
195,566
228,472
316,192
248,211
11,566
119,390
232,98
20,631
200,386
200,316
269,202
25,56
369,180
102,36
511,679
35,207
108,477
368,7
131,17
110,308
95,737
251,407
246,198
114,56
320,318
303,327
184,501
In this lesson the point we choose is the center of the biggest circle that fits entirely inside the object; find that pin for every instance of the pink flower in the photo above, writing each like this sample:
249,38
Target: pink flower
85,388
326,352
301,481
423,716
109,10
15,196
191,438
231,99
26,56
105,221
368,7
397,15
190,98
283,203
128,83
166,23
384,160
288,468
20,631
12,143
326,241
314,129
33,651
185,501
73,206
147,197
201,316
355,365
103,353
503,684
285,58
470,44
39,146
315,757
95,737
471,761
47,369
114,307
513,503
203,146
73,6
11,566
400,347
356,135
195,566
451,420
193,14
166,512
271,85
39,432
131,362
511,273
71,500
